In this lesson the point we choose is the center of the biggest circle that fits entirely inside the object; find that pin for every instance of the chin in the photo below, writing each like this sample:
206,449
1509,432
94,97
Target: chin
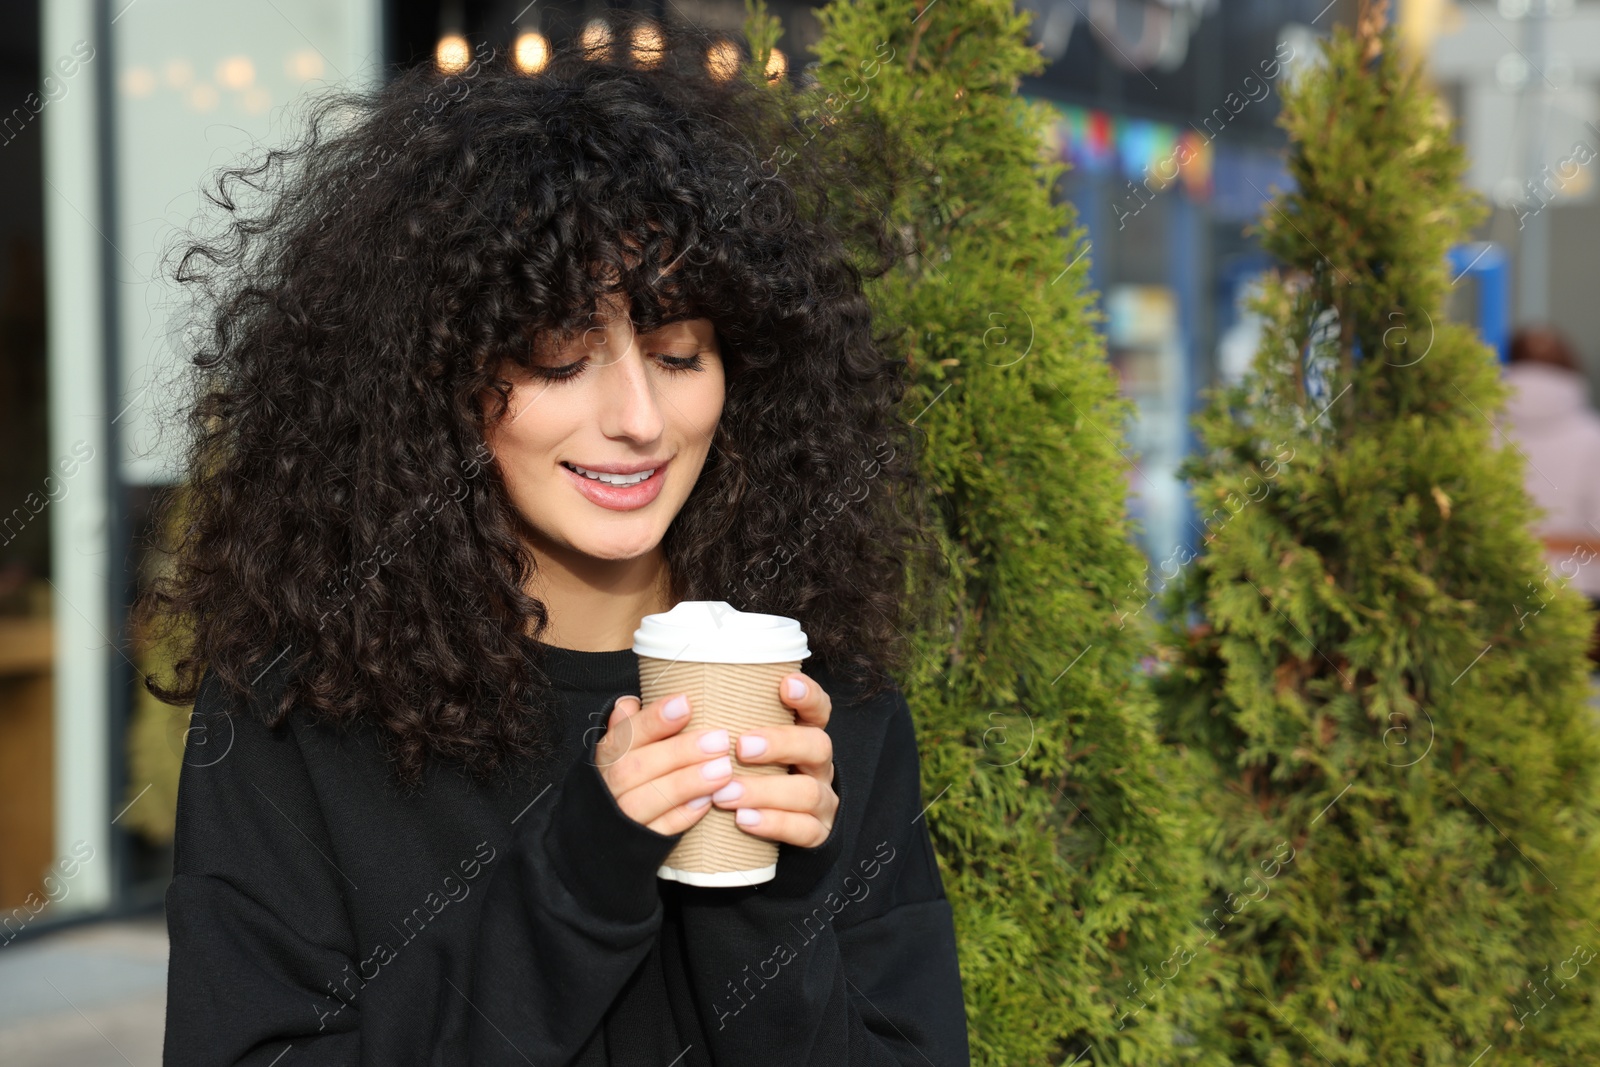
617,548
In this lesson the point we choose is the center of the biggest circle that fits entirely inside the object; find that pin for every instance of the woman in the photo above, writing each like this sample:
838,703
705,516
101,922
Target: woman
421,808
1551,423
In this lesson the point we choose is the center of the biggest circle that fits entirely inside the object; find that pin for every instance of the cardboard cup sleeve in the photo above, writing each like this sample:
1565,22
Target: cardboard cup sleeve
735,697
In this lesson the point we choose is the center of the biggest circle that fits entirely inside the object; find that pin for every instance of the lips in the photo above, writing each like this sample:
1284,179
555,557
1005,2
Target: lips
634,467
614,473
619,497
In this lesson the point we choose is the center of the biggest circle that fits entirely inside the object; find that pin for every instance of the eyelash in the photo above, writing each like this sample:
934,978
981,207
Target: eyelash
675,364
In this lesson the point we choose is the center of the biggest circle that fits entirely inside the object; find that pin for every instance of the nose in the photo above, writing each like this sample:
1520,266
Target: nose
630,408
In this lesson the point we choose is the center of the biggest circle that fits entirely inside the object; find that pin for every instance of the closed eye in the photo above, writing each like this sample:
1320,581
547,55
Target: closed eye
675,364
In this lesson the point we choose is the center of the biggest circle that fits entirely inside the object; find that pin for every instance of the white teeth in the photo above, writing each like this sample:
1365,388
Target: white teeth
613,479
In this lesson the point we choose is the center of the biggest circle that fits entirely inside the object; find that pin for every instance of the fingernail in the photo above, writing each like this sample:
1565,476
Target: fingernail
676,708
747,817
697,803
795,688
731,791
717,768
751,745
714,741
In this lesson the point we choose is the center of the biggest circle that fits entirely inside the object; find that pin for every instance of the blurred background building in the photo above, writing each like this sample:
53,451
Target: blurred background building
114,112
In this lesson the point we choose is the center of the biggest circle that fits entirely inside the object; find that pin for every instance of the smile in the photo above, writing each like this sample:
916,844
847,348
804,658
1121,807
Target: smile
617,492
611,479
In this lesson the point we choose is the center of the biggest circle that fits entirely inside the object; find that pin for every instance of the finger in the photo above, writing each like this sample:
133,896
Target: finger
654,798
632,726
795,827
619,732
622,708
790,792
812,704
646,763
680,818
805,747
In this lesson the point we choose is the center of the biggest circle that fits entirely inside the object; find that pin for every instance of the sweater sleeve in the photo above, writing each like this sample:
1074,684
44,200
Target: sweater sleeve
851,965
566,922
256,907
257,915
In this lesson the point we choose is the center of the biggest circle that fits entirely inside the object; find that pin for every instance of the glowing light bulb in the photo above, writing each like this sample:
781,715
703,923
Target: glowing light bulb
777,65
303,65
179,73
649,47
532,52
236,72
203,96
722,60
452,53
595,39
138,81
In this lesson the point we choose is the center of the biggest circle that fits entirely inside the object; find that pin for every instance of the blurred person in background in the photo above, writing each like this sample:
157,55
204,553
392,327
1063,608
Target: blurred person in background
1558,432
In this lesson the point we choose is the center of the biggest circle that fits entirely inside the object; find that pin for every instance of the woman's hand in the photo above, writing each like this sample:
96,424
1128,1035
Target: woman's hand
797,807
660,776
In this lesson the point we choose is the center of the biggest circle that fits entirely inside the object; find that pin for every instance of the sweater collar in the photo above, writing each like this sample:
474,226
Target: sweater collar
590,672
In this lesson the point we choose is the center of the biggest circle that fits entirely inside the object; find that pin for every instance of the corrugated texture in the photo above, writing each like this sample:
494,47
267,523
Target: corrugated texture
734,697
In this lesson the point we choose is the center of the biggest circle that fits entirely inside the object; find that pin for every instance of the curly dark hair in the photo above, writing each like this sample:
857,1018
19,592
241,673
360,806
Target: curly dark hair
342,522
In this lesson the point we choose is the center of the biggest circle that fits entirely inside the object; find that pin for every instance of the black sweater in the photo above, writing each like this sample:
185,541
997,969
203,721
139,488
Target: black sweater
318,914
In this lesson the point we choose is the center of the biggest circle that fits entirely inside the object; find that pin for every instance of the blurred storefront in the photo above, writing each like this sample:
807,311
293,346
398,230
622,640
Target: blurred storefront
1522,77
27,488
115,114
1167,119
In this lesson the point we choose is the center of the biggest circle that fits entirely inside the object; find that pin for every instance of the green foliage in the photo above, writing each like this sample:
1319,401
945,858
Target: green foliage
157,734
157,731
1062,838
762,30
1389,681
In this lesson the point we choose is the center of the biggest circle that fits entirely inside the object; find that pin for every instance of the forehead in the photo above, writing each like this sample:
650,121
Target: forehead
615,306
614,328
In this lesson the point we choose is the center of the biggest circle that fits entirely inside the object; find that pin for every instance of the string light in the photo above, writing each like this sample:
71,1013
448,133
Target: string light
236,72
649,47
777,65
595,39
532,52
452,53
722,60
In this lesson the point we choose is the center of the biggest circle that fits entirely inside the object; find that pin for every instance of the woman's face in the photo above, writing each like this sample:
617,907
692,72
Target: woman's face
616,403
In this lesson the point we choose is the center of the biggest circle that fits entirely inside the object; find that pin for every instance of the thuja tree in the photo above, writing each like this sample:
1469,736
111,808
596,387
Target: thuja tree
1376,676
1063,844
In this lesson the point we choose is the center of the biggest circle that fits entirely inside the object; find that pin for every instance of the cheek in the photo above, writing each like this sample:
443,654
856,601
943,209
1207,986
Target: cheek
527,436
708,401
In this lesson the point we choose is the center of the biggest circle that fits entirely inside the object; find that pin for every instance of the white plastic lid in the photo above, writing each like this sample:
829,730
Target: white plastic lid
712,631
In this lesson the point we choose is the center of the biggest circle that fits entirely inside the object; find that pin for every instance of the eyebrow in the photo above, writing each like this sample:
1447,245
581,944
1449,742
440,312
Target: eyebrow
684,324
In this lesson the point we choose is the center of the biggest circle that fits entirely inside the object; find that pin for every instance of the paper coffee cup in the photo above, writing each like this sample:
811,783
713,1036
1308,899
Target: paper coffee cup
730,663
